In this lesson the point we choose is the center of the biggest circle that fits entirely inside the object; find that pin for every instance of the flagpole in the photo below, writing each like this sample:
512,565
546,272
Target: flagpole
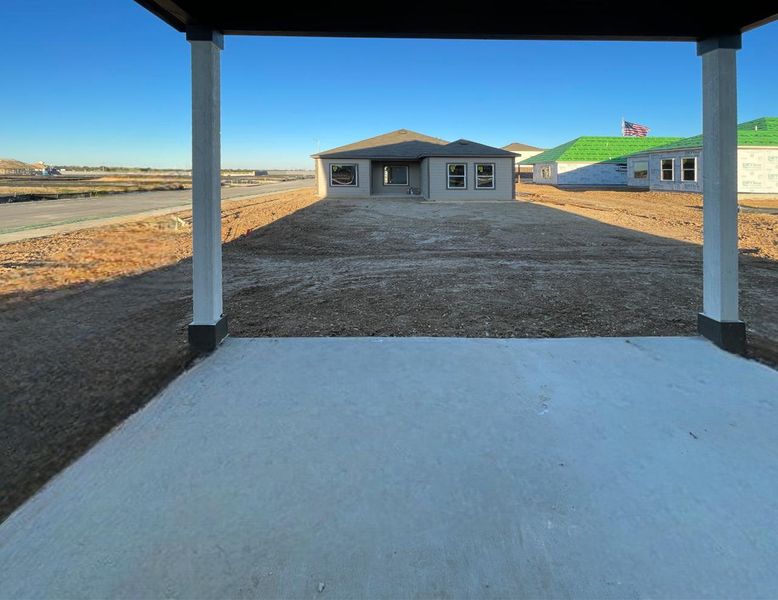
622,126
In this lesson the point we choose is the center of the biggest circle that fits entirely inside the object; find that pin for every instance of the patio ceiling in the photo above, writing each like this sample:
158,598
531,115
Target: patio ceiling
591,19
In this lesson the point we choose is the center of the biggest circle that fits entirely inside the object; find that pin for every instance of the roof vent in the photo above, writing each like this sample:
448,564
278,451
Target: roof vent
402,131
463,142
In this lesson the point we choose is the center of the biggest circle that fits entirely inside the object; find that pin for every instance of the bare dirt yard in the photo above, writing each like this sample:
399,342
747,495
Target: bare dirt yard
667,214
94,321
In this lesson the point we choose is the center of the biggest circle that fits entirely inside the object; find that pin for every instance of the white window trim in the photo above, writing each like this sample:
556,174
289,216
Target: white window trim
494,175
356,175
694,158
448,176
662,169
407,175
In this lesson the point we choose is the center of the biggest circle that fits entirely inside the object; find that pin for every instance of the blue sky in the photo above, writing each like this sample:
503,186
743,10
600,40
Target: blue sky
105,82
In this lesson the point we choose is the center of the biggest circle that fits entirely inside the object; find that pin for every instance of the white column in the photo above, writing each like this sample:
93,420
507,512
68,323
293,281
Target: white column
206,48
719,180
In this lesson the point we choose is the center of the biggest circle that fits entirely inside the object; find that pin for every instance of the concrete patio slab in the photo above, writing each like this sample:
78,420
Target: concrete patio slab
423,467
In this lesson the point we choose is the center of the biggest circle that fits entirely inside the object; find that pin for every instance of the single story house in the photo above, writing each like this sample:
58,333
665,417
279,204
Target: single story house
590,160
405,163
677,166
522,152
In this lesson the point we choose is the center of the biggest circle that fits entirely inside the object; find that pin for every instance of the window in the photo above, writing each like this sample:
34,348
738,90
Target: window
395,175
484,176
545,172
668,169
457,176
640,169
689,169
343,175
621,167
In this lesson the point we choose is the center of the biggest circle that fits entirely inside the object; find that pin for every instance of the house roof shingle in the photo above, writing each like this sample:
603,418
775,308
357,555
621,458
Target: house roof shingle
518,147
401,143
404,144
468,148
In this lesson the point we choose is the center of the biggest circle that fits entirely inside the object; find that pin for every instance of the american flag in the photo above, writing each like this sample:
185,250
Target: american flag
633,129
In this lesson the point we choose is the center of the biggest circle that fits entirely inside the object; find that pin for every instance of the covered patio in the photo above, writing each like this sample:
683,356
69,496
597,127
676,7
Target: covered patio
395,179
419,467
717,37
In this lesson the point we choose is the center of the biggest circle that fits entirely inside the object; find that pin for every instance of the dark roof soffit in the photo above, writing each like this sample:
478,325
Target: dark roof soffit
590,19
168,11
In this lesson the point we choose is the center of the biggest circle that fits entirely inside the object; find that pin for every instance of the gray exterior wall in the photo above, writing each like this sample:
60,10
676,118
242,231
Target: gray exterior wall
537,171
580,173
429,175
377,186
323,179
757,171
503,179
676,185
632,181
424,177
588,173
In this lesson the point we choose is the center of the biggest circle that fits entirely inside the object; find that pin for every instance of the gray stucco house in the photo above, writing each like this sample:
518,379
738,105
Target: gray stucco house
405,163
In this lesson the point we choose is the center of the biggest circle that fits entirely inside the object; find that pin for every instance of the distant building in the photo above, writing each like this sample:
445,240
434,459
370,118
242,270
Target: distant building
522,152
590,160
40,167
404,162
10,166
677,166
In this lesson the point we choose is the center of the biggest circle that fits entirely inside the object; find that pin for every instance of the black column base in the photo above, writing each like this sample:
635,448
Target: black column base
727,335
205,338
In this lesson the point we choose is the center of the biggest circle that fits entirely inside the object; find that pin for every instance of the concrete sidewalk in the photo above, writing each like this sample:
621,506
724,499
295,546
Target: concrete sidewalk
423,467
24,220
